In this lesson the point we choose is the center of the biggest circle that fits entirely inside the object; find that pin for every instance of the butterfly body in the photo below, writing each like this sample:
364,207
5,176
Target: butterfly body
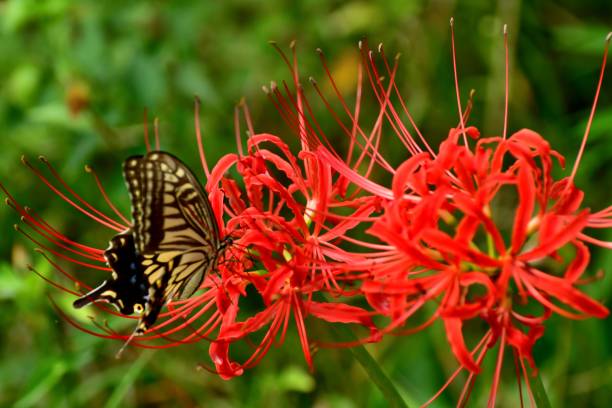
173,242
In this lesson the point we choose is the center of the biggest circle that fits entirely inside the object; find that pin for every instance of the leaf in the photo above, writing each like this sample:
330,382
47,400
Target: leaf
371,367
539,393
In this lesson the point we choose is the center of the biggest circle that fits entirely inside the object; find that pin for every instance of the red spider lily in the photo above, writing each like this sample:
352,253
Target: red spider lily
289,230
443,239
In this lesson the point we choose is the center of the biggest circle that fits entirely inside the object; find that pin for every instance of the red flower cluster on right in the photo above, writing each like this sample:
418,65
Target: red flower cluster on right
482,241
484,232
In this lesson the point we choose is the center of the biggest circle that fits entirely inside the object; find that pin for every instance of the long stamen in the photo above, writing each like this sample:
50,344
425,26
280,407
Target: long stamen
247,118
91,171
461,122
592,114
506,83
405,108
391,113
286,113
50,282
42,233
107,224
78,197
198,133
469,385
57,267
237,131
59,254
519,380
498,366
40,225
482,342
353,117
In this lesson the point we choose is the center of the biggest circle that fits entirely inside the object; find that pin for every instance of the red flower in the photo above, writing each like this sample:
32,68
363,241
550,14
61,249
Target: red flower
444,238
289,230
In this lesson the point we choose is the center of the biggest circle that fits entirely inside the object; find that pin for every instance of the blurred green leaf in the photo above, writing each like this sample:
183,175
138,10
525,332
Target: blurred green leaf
34,396
539,392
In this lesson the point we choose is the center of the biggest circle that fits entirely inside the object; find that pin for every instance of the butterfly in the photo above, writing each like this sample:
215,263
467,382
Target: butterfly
174,240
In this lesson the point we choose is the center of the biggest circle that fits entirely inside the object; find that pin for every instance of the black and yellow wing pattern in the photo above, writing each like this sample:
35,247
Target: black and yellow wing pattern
173,242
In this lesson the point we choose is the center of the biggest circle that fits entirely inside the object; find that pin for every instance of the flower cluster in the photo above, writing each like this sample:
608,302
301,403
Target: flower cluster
478,227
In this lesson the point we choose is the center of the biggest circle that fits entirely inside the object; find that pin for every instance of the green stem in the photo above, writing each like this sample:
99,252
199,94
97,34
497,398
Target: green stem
372,368
539,392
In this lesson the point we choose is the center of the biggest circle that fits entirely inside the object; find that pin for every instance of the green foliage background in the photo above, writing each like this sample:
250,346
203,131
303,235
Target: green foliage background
121,56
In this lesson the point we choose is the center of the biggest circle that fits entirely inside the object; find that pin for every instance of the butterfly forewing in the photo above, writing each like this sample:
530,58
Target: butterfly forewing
170,209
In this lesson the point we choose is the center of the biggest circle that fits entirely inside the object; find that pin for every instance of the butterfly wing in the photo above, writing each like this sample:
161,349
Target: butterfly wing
128,287
175,231
170,209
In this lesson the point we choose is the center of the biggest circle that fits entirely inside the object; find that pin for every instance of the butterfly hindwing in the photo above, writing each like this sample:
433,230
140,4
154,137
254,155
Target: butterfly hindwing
128,288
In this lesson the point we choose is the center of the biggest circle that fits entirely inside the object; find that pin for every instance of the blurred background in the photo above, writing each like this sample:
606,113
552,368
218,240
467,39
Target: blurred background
76,76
